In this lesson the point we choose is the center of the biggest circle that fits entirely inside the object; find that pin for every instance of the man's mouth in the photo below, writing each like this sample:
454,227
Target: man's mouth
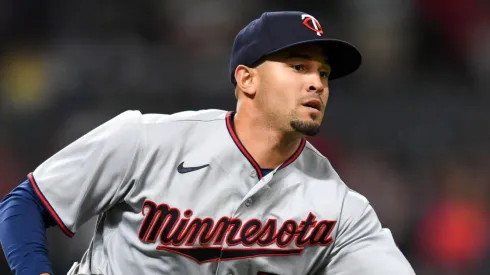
314,103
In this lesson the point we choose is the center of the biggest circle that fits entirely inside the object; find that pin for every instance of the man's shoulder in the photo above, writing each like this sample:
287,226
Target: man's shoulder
318,166
315,164
206,115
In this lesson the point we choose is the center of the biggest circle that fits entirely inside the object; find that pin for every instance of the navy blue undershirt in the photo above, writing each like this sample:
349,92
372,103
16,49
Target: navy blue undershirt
23,223
266,171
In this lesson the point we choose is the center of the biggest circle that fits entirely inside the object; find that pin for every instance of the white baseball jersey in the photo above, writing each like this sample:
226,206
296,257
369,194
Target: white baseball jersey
180,194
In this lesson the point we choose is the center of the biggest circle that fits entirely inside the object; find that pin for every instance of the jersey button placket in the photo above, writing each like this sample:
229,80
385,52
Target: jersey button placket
253,174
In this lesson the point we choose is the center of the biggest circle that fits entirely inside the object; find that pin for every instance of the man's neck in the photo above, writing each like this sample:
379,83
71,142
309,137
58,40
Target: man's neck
268,146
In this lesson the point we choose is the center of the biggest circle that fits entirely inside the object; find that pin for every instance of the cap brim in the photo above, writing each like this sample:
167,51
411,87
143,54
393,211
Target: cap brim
342,56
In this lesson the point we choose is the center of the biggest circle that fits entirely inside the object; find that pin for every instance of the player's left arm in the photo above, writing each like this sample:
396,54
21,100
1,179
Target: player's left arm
363,246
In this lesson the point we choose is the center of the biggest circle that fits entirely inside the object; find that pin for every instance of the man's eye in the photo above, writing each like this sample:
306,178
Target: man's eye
324,74
298,67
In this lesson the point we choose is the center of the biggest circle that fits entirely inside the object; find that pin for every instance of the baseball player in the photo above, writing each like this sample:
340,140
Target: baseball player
212,191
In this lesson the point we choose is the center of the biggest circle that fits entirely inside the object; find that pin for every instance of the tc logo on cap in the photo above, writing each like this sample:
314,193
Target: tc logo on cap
311,23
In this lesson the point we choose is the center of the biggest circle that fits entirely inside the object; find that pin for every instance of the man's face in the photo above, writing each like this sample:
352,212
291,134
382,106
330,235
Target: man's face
293,88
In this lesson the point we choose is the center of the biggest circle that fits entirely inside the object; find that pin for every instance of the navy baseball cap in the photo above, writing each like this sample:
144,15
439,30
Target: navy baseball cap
276,31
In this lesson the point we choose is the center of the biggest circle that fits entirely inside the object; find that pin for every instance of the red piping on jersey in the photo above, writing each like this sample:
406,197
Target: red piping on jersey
234,136
49,207
231,130
296,154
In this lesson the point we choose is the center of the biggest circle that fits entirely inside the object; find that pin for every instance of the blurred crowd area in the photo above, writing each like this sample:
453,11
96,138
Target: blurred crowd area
410,130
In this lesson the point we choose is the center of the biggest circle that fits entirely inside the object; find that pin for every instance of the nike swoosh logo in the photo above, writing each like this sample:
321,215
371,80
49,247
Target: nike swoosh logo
181,169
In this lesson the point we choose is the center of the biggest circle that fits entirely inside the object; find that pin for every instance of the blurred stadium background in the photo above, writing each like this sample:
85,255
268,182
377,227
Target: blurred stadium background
410,130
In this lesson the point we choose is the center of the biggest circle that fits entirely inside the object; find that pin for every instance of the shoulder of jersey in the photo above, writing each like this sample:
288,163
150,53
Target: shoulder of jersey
354,200
198,115
317,157
320,166
318,161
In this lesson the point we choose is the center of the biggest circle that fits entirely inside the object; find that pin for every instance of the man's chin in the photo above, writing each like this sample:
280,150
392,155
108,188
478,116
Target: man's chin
306,127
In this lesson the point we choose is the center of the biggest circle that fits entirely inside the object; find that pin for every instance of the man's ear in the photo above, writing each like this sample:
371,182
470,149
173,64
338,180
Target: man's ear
246,79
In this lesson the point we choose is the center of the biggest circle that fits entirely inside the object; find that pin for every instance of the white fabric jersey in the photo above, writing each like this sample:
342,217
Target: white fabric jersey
179,194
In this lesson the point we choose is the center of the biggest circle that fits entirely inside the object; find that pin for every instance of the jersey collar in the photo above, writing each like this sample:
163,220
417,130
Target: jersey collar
231,130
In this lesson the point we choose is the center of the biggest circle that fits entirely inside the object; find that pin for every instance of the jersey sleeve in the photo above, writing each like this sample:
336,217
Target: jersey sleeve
93,173
362,245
